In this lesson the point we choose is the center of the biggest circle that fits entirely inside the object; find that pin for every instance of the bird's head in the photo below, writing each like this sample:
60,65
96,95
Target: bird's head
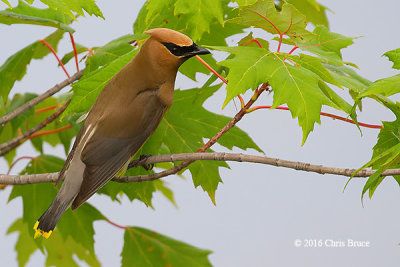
171,47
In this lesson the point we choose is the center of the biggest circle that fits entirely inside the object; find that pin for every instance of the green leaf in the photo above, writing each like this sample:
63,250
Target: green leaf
89,87
165,190
294,85
160,14
386,152
337,102
14,69
60,252
394,56
142,191
245,2
9,131
199,15
79,50
347,77
7,134
250,41
63,252
59,131
263,14
78,225
387,87
195,15
25,245
389,137
111,51
36,198
143,247
37,118
68,7
325,44
25,14
314,11
315,65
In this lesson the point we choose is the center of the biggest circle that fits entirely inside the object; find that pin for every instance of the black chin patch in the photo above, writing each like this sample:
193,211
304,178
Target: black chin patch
180,51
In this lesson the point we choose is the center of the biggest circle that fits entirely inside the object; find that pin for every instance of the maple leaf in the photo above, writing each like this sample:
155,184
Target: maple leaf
263,14
14,69
25,14
8,131
196,15
386,86
295,85
111,51
249,40
200,15
68,7
142,191
327,45
314,11
386,152
36,198
143,247
394,56
79,50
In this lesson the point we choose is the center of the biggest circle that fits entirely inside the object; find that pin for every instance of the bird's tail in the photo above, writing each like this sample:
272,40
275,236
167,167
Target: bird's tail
47,222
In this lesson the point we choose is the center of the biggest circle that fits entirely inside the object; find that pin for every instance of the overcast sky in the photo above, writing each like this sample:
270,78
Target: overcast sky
261,210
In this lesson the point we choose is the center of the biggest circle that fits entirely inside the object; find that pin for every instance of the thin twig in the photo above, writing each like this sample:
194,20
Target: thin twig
238,157
6,118
15,142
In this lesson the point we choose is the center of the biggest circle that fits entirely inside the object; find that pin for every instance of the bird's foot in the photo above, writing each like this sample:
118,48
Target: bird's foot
143,158
140,162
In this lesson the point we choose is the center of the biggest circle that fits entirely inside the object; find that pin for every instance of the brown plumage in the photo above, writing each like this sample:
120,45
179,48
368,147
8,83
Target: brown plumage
125,114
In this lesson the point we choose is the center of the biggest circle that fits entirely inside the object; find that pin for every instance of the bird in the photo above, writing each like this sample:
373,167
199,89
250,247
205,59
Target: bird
124,115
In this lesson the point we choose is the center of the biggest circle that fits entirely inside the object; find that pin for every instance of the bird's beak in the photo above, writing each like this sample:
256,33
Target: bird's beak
198,50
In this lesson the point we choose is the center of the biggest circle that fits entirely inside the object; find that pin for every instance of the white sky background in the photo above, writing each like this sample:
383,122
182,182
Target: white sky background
260,209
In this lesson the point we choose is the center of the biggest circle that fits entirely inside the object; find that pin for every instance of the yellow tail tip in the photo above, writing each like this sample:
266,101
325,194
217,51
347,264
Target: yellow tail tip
39,232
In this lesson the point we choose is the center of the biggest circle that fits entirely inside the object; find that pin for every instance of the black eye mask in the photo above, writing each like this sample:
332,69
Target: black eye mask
180,51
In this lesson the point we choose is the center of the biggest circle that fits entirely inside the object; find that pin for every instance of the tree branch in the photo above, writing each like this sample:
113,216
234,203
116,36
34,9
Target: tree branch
6,118
13,143
238,157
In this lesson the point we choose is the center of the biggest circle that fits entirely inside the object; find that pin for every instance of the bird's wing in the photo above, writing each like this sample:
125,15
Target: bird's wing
70,155
104,156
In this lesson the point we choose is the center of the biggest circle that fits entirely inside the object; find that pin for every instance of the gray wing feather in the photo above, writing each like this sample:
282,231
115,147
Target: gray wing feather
105,156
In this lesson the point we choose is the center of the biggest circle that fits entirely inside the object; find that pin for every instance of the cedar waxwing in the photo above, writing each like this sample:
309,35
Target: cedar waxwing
125,114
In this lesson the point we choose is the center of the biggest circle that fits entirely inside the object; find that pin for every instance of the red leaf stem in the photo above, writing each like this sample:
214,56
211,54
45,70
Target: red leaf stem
46,109
211,69
115,224
323,114
55,54
49,132
16,161
75,53
257,42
